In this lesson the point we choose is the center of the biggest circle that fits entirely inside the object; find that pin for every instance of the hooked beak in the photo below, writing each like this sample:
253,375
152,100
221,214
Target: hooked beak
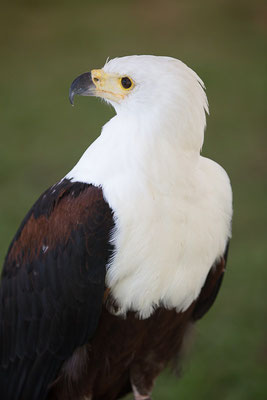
83,85
100,84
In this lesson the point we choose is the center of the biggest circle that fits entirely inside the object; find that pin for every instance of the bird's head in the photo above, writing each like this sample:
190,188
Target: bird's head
162,88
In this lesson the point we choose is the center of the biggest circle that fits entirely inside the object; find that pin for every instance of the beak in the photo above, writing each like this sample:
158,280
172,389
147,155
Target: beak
83,86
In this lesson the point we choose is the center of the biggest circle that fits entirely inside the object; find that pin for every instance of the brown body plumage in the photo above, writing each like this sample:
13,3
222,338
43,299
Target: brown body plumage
127,352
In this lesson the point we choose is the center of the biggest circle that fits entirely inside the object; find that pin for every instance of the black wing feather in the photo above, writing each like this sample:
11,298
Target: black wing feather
52,287
211,287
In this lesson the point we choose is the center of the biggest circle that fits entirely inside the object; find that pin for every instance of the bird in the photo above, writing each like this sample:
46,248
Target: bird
114,263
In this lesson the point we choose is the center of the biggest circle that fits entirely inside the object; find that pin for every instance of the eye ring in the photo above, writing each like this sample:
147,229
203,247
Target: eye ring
126,83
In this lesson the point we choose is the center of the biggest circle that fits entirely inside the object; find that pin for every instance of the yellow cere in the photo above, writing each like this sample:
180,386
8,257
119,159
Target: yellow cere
111,86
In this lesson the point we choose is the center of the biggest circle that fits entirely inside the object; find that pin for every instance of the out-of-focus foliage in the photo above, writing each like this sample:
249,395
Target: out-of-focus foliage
44,45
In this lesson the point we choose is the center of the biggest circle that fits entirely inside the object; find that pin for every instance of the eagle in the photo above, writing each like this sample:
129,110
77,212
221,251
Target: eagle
114,263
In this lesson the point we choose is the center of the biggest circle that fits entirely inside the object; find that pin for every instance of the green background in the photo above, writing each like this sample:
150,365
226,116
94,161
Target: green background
44,45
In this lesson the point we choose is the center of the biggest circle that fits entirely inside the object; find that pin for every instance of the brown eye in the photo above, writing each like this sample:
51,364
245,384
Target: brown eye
126,82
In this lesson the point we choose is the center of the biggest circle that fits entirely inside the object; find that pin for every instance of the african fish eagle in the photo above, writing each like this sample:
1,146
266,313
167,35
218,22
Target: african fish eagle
114,262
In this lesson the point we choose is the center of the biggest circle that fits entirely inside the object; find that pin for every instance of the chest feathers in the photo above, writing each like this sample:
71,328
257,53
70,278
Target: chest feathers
172,213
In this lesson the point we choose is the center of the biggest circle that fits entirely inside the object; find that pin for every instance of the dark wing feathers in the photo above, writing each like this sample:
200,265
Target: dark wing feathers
52,286
211,287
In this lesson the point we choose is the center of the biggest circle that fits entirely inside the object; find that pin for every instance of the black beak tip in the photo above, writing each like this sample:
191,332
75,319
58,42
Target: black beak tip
71,97
81,86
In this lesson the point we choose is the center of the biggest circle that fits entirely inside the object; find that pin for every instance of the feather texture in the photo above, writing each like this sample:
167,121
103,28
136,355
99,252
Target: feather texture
52,286
131,351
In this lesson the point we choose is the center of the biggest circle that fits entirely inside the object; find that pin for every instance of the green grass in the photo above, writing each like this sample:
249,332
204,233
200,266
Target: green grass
44,45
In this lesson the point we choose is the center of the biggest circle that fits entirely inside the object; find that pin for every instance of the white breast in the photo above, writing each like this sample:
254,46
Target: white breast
166,243
170,227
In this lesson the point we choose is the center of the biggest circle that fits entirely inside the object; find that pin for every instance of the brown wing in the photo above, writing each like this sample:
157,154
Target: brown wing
211,287
52,286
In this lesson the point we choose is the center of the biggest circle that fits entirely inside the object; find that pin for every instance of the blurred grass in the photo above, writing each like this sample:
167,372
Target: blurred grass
44,45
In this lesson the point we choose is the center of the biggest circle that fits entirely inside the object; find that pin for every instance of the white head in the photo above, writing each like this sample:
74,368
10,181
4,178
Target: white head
161,90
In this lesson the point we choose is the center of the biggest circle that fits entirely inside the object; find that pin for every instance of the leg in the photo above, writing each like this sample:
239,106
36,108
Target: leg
143,374
138,396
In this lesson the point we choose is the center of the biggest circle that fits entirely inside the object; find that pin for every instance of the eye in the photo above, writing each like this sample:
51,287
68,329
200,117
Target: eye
126,82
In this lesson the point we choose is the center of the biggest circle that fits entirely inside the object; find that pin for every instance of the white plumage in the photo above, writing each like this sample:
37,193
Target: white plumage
173,207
